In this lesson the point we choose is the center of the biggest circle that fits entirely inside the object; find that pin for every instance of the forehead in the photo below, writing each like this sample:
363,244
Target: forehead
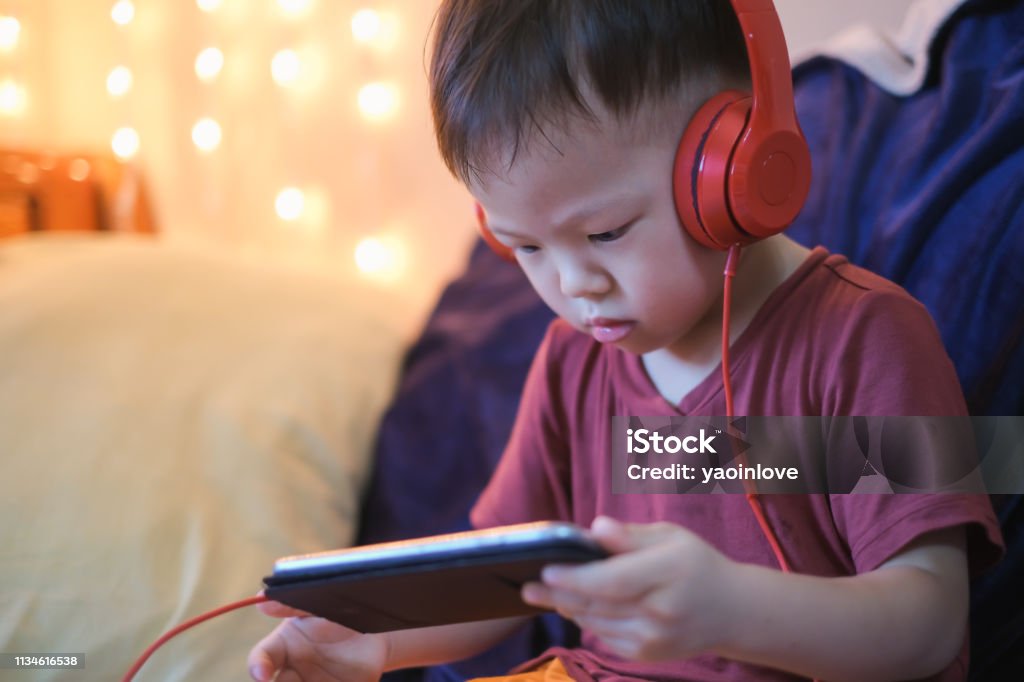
562,159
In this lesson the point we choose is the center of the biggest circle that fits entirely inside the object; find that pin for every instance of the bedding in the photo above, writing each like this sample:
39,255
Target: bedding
171,421
944,219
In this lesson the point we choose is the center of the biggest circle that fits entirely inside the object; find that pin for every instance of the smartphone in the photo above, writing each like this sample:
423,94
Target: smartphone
437,580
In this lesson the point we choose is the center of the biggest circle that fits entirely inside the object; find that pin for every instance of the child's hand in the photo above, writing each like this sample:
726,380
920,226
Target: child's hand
304,648
656,598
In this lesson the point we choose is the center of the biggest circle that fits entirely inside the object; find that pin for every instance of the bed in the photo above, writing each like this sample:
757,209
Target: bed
171,421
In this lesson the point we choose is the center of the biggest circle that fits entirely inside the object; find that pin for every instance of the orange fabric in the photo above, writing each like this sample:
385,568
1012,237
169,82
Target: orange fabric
548,671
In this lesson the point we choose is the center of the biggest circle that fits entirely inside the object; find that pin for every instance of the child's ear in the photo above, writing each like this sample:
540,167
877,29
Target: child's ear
503,251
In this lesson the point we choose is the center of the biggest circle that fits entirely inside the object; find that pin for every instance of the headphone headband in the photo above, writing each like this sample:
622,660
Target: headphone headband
743,169
770,72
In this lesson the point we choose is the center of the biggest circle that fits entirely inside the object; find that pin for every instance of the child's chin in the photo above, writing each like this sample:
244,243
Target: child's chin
636,346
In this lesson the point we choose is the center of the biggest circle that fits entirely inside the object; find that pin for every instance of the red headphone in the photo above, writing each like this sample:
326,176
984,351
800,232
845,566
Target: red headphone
742,169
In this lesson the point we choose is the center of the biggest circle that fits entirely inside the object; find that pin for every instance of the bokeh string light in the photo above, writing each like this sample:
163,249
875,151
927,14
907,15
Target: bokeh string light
209,63
290,203
206,134
295,8
125,142
285,67
366,26
119,81
364,76
378,101
10,32
13,98
122,12
381,258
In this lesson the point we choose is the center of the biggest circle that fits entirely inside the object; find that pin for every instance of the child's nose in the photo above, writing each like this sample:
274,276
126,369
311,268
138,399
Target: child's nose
580,281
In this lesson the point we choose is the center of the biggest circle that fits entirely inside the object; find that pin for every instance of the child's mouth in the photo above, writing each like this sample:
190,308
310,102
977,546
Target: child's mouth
610,331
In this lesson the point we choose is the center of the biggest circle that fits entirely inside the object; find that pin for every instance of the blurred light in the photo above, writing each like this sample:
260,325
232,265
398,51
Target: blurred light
375,29
380,257
289,203
10,29
365,25
79,169
28,173
206,134
119,81
209,62
13,99
301,69
208,5
123,12
125,143
378,101
285,67
294,7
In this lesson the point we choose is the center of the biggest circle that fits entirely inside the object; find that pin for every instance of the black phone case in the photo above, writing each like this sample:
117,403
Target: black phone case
456,589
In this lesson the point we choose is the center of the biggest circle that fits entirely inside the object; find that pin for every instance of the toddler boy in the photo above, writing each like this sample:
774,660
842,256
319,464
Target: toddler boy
563,119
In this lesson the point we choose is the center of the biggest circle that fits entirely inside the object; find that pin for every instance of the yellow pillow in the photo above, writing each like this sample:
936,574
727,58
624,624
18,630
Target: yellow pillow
173,421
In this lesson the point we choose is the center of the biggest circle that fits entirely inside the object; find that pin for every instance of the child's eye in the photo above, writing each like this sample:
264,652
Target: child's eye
527,249
611,235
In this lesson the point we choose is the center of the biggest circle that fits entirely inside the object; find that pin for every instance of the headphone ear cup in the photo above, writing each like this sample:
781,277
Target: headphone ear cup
497,247
769,179
702,167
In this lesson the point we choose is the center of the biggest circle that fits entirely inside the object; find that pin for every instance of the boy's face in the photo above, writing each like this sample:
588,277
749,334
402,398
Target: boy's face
595,229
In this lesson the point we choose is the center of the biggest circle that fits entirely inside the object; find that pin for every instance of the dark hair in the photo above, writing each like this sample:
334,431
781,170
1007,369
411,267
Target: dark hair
503,69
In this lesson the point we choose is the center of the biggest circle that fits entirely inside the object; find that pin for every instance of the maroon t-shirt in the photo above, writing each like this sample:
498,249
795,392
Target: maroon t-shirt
833,339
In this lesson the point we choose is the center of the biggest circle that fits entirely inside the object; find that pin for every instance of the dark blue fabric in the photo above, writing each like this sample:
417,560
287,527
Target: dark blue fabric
460,383
447,426
927,190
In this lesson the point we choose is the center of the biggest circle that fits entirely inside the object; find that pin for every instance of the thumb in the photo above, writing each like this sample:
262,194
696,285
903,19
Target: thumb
618,537
261,668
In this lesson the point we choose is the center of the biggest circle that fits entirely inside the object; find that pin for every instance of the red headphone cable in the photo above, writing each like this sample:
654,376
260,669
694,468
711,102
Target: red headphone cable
731,263
185,626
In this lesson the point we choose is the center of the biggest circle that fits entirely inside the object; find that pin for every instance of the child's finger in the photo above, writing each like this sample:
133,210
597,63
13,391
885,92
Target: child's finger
267,657
610,627
537,594
279,610
612,580
574,605
626,647
643,556
618,537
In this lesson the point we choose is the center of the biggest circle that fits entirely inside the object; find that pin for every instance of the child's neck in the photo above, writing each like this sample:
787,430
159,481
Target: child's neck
763,267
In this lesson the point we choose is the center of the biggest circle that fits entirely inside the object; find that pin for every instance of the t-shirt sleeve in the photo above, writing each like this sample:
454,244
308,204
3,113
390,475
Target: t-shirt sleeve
891,362
531,481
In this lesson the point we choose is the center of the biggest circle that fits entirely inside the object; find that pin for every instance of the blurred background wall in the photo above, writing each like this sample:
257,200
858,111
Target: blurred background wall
295,130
